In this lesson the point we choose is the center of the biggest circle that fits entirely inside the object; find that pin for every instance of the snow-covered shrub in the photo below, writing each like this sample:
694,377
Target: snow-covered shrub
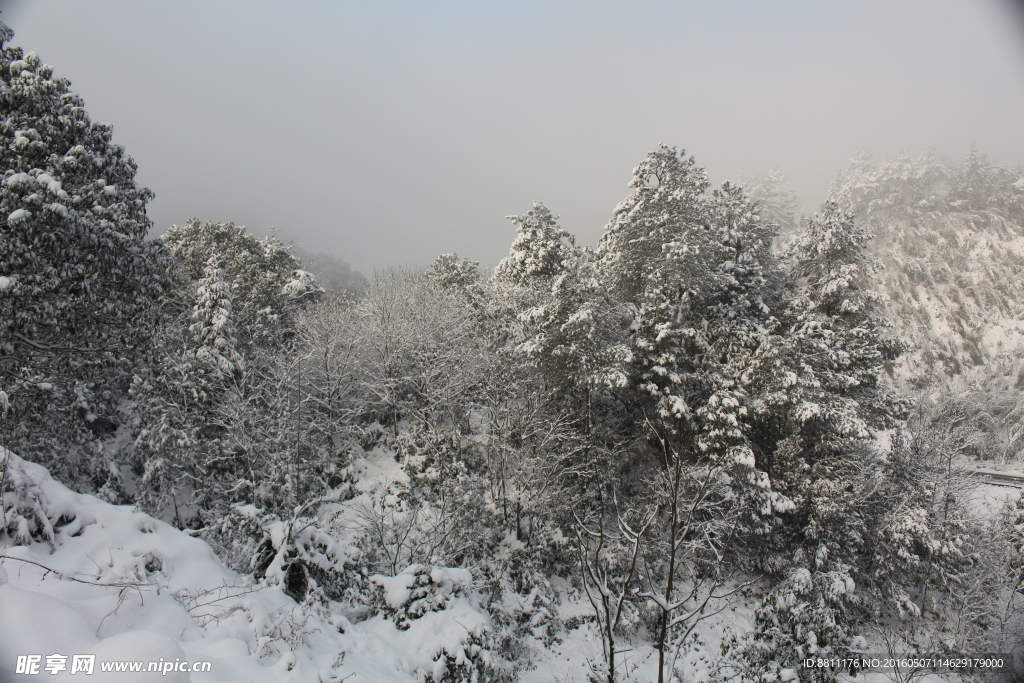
398,530
800,618
419,589
534,614
117,576
235,537
517,588
433,605
26,517
523,565
429,457
301,554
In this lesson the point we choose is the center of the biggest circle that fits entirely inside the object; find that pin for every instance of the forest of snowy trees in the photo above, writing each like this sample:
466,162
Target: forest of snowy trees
721,406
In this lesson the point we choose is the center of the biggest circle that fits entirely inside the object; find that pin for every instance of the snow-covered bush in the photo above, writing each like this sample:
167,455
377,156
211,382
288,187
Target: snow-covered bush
430,457
419,589
301,554
434,601
26,517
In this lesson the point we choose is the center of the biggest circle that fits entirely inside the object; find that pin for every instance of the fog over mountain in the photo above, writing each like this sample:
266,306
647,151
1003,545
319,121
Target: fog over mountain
386,133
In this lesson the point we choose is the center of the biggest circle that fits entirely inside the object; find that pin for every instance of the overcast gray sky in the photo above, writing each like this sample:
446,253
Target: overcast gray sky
390,132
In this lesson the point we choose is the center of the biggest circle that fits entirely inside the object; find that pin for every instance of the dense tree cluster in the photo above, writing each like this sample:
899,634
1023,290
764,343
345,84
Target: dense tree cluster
681,415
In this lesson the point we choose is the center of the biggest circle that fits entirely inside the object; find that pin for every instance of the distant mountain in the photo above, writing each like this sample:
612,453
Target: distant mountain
332,273
950,242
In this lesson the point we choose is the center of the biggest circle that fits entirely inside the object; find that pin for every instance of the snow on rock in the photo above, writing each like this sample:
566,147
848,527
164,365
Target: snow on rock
81,576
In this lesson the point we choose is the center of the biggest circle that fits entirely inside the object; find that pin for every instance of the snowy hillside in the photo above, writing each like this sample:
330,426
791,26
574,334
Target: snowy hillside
950,240
80,576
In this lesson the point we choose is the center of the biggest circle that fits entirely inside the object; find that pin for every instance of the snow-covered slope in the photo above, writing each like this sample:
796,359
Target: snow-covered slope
950,240
81,576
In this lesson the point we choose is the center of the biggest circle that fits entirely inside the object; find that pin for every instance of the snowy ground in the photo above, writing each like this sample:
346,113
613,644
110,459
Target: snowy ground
105,580
122,586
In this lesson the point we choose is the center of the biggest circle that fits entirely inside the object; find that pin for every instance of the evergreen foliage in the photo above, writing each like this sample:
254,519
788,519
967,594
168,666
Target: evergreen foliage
265,277
77,278
667,200
213,326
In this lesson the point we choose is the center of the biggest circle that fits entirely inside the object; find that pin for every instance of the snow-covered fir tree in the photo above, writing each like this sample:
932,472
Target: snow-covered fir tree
213,326
569,326
539,251
699,262
667,200
451,272
77,277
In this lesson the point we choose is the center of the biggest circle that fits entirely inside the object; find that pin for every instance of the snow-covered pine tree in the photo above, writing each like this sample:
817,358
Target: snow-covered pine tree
539,251
262,275
562,321
179,401
451,272
579,332
459,276
830,256
842,322
979,185
568,324
820,400
702,316
303,288
77,277
213,326
830,393
667,201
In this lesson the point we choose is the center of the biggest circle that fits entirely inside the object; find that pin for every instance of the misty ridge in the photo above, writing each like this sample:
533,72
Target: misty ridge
727,442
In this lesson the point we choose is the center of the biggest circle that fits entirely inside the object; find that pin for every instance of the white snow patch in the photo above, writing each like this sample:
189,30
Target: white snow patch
124,586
